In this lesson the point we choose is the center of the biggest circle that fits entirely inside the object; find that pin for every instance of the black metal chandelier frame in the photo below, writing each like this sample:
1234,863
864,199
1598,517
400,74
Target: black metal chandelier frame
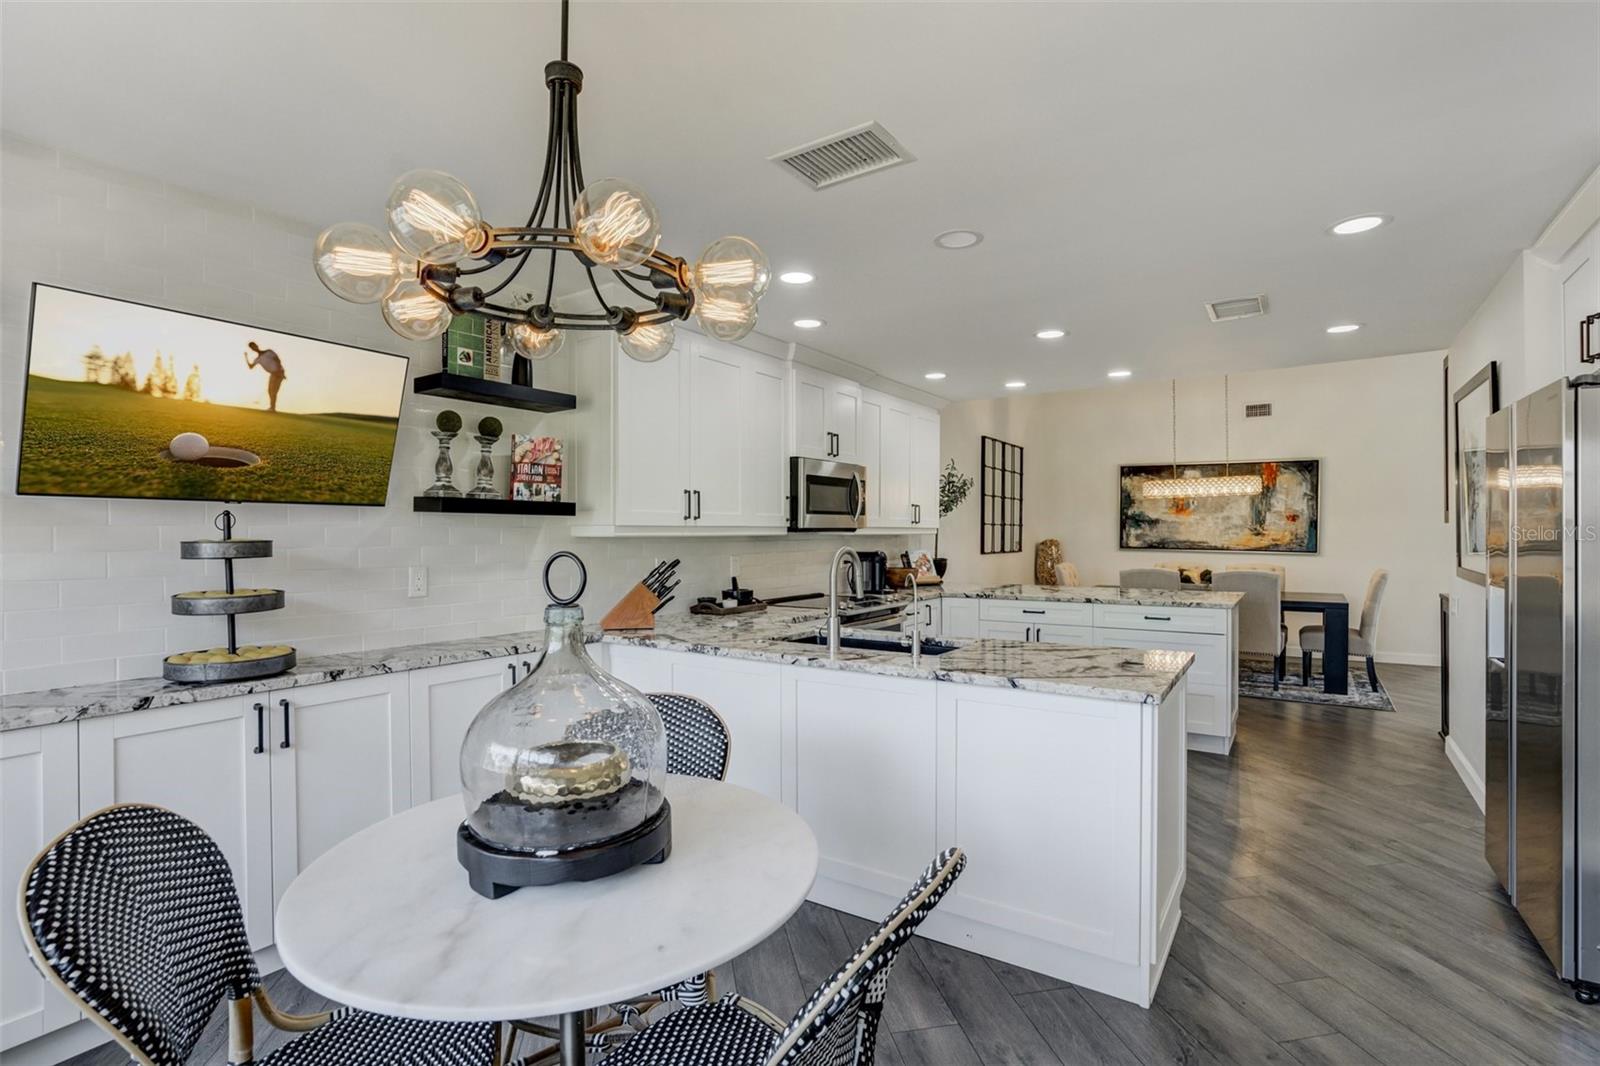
550,229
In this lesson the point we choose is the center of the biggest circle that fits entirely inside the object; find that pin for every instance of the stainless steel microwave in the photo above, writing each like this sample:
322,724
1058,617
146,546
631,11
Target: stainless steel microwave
826,495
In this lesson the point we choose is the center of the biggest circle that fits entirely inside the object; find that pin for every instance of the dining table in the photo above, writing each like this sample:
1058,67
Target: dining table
1334,607
385,921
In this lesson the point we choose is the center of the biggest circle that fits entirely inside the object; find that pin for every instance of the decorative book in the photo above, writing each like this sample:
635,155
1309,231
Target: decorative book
535,468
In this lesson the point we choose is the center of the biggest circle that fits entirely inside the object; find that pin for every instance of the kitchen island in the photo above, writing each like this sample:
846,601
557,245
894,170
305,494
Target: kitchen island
1060,769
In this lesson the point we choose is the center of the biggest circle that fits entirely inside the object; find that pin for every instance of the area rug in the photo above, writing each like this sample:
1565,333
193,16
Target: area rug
1255,679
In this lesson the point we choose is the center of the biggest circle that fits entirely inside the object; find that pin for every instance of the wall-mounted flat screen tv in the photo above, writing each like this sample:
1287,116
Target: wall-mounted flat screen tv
128,400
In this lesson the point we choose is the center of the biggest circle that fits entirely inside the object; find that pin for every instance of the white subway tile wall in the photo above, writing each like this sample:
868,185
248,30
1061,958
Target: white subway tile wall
84,584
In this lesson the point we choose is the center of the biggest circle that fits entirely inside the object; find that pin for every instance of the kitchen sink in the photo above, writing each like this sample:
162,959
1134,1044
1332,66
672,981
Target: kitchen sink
929,647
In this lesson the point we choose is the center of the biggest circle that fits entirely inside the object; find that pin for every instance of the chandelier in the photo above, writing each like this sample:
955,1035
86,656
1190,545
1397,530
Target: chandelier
1226,484
441,259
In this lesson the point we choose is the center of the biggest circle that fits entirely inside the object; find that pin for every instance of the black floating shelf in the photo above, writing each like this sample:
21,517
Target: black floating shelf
468,505
477,390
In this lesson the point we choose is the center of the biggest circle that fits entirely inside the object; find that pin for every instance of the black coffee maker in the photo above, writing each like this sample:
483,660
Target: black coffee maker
874,573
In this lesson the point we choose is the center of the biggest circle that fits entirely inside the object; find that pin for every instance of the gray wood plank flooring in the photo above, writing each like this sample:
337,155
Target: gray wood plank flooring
1338,910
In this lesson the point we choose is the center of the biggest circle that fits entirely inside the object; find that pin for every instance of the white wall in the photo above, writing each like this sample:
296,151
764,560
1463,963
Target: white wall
1523,327
84,584
1377,426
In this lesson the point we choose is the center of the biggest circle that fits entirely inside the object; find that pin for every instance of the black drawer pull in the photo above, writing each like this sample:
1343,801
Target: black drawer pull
1027,611
261,729
285,705
1158,618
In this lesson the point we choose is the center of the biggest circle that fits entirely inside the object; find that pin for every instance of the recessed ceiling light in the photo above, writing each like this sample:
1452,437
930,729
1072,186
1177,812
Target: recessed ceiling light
1119,373
807,323
796,277
936,375
1345,327
1357,224
1051,334
956,239
1016,384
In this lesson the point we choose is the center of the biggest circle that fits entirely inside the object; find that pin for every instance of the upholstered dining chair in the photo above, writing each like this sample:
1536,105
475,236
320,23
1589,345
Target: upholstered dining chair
1363,641
1270,568
1261,628
1149,577
838,1025
132,912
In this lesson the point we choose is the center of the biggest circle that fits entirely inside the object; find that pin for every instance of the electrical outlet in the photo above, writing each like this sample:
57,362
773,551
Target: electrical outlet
417,582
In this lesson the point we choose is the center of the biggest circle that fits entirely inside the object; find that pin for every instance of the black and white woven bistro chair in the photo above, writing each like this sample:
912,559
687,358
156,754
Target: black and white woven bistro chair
838,1026
698,745
133,913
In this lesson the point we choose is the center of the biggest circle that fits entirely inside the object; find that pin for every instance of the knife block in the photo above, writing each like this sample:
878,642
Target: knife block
633,611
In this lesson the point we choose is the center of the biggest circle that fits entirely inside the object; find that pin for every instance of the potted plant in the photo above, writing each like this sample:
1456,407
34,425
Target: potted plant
953,489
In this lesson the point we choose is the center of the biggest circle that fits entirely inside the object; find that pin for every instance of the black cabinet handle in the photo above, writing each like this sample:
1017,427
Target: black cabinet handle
261,729
527,668
1158,618
1027,610
285,705
685,505
697,505
1586,351
513,668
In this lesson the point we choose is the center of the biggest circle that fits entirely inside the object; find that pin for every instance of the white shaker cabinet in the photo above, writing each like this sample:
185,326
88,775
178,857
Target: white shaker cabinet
38,801
900,449
924,469
444,700
827,415
691,443
341,761
210,762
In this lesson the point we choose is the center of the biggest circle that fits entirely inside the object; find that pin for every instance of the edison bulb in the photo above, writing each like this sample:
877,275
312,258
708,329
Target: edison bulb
432,216
733,266
414,312
647,343
615,223
536,343
359,264
727,318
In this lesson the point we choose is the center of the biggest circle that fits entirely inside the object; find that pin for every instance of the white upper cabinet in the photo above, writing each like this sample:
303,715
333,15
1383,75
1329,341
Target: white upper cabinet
697,444
900,449
827,416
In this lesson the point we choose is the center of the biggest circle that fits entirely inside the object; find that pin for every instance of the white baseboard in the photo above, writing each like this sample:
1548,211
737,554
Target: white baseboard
1464,770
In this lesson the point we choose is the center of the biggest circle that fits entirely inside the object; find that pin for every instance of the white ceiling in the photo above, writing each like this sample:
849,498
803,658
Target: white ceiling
1126,162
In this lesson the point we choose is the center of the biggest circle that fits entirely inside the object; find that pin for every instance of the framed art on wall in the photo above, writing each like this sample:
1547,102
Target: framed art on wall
1282,517
1474,403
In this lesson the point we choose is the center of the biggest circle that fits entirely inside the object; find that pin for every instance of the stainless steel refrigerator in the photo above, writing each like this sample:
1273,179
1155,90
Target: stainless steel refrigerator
1542,747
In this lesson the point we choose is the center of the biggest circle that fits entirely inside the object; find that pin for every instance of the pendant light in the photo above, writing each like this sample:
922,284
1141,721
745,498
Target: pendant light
1226,484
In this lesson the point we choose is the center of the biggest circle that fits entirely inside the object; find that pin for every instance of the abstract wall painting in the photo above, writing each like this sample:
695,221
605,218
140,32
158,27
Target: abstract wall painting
1283,517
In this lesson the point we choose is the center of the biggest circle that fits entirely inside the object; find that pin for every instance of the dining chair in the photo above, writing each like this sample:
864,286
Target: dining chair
133,913
1363,641
1261,628
837,1026
1150,577
1270,568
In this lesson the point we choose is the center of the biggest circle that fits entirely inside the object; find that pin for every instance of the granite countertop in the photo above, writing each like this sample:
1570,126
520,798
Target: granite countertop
1106,594
1123,674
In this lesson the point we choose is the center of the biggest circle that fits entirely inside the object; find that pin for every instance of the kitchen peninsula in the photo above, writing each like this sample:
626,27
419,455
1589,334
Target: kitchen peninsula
1062,768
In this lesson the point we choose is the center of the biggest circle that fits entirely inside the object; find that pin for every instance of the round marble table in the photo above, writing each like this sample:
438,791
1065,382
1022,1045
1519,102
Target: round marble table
384,921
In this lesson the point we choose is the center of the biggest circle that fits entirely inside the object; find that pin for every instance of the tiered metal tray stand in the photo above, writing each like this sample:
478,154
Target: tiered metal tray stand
231,603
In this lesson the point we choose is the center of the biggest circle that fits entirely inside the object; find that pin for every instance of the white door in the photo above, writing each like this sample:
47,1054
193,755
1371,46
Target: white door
715,393
924,468
812,393
895,481
869,453
444,700
747,696
341,761
38,801
652,441
865,766
207,761
844,419
763,456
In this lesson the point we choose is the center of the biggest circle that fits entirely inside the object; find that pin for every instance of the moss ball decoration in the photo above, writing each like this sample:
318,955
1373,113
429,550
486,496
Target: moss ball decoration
491,427
448,422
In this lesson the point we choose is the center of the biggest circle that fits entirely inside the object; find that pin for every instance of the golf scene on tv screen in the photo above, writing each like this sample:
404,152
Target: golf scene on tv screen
128,400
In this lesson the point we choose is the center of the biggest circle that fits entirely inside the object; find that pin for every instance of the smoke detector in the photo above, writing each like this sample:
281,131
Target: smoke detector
1242,307
841,157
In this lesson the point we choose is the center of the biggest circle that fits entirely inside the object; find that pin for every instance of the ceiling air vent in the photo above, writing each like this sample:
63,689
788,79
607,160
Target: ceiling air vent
1258,410
839,157
1245,307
